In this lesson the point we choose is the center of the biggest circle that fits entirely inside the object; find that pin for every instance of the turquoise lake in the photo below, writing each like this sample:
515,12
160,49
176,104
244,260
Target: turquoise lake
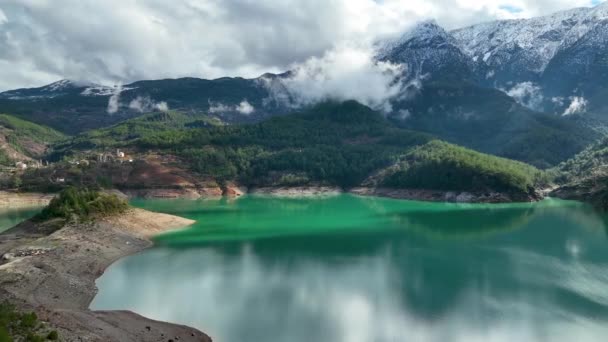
354,269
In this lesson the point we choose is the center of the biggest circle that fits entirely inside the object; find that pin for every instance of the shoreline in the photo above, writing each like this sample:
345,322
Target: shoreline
18,200
55,275
24,200
326,191
442,196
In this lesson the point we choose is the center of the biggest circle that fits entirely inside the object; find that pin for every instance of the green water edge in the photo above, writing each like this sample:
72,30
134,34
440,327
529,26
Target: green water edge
10,217
253,217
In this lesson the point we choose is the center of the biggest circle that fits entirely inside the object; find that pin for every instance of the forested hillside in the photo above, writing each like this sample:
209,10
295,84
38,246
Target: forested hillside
22,140
338,144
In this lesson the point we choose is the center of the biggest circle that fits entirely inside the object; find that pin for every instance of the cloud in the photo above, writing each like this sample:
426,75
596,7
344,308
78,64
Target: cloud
146,104
347,72
244,107
115,40
558,100
3,18
216,107
403,114
527,94
577,105
114,101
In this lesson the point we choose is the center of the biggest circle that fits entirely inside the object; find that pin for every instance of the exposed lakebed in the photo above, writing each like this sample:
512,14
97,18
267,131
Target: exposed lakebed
351,269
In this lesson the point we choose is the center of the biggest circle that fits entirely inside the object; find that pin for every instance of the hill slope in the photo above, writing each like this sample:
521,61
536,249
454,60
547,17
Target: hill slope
22,140
337,144
585,177
489,121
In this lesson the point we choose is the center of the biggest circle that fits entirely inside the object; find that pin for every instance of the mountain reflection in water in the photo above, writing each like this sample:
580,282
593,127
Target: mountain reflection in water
365,269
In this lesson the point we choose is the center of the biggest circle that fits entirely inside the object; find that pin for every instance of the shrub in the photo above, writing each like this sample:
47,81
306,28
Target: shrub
53,336
18,326
82,203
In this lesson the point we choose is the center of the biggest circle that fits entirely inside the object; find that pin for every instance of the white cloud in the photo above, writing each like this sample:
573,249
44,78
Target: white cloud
216,107
403,114
114,101
146,104
577,105
558,100
245,108
345,73
527,94
116,40
3,18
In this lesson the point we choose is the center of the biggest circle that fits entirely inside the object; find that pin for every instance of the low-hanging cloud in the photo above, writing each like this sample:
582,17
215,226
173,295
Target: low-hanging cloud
114,100
92,41
345,73
527,94
244,107
145,104
578,105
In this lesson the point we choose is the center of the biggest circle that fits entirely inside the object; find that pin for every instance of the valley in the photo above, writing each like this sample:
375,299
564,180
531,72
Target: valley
345,171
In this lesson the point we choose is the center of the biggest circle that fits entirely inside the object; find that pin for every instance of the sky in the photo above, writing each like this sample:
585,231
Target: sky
112,41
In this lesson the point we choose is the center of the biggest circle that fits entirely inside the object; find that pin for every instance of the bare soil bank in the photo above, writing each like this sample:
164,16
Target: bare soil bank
9,199
54,275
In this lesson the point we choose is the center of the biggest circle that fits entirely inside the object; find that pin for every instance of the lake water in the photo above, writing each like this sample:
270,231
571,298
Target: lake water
352,269
10,217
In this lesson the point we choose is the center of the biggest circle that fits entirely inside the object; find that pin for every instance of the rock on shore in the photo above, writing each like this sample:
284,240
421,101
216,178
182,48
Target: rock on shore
302,191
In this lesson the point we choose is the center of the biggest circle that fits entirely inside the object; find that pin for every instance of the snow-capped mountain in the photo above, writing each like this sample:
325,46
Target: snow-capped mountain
560,58
55,89
429,52
516,50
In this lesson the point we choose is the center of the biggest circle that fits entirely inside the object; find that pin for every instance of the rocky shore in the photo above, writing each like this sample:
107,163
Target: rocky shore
302,191
233,190
53,273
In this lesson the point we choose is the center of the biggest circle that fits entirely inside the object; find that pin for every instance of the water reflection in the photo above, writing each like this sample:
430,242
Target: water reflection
409,272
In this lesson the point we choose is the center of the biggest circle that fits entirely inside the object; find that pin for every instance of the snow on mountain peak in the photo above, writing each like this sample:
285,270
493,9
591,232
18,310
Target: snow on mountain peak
65,83
425,32
538,39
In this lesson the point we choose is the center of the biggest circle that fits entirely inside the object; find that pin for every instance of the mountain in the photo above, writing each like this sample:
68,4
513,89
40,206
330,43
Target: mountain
55,89
555,64
489,121
530,90
21,140
585,177
453,106
514,51
564,54
335,144
74,107
429,52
